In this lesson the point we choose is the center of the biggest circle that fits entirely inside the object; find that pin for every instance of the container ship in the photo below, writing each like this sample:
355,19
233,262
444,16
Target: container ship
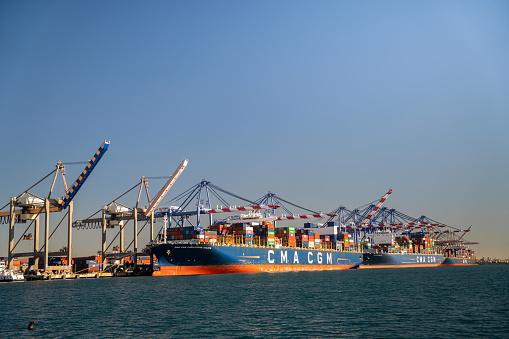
251,247
411,250
458,256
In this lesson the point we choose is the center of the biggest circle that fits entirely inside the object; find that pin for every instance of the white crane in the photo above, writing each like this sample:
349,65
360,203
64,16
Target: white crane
160,195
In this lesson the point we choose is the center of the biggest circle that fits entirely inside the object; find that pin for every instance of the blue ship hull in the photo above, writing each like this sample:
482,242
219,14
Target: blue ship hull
198,258
458,262
385,260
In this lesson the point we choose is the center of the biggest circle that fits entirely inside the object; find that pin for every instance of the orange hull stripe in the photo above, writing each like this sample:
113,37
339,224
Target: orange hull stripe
221,269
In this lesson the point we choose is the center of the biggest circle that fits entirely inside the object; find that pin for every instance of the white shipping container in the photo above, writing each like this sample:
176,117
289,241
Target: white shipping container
326,230
385,238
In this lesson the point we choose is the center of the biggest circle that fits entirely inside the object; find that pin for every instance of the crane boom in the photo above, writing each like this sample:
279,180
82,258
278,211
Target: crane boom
165,210
380,203
461,238
160,195
239,209
84,175
308,216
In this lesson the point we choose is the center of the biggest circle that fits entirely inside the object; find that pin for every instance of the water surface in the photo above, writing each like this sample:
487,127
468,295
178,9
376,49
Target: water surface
436,302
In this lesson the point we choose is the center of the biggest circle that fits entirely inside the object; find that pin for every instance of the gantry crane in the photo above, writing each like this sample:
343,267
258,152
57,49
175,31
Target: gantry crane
399,223
28,207
272,199
174,212
380,203
117,214
178,215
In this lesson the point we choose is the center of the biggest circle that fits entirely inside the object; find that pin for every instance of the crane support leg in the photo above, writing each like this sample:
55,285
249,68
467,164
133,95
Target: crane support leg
122,240
135,212
11,234
103,247
69,234
37,237
152,227
46,234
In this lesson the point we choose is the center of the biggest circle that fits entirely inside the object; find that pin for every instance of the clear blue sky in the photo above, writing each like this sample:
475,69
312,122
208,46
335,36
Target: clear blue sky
325,103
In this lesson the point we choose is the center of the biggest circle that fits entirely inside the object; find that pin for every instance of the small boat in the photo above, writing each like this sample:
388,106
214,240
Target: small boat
9,275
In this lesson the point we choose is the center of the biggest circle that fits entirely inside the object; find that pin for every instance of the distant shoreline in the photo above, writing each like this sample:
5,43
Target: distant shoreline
492,263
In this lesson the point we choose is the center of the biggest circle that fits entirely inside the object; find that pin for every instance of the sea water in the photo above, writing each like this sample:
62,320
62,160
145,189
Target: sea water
437,302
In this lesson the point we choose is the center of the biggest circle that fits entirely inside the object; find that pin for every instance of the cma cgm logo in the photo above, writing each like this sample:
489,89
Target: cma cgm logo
312,258
426,259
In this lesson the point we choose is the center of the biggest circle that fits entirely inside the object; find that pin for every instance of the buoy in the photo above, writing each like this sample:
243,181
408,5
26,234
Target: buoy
31,325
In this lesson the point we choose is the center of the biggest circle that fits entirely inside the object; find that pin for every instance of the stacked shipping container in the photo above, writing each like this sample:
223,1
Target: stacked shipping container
267,235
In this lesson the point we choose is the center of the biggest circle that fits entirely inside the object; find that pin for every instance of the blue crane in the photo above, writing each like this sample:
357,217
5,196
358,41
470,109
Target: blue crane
71,192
